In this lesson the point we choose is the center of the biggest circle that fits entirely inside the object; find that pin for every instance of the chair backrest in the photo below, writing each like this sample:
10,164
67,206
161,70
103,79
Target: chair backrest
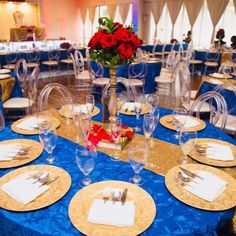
12,57
138,70
130,89
212,56
54,55
44,94
217,106
230,88
78,62
33,56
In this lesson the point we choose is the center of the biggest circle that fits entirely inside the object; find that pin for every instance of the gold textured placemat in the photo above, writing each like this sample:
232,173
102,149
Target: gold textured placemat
166,121
145,209
56,191
203,159
34,152
55,123
65,109
146,109
224,201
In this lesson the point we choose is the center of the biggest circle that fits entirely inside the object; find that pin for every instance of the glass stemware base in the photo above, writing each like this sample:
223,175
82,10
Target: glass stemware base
50,159
137,129
136,179
85,182
176,135
115,158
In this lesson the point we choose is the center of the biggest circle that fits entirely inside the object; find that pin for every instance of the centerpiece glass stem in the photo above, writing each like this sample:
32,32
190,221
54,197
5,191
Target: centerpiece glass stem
112,106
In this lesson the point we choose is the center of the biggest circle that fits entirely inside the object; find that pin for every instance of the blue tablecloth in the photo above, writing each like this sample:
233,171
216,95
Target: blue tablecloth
228,95
173,217
154,70
149,48
43,57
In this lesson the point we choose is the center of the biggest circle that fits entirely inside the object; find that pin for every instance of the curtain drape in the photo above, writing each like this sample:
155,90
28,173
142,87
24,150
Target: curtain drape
111,10
216,9
193,8
156,9
92,12
235,6
83,14
174,7
124,10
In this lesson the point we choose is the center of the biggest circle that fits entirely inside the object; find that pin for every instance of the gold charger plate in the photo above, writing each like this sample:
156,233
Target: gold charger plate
56,191
146,109
203,159
65,109
55,122
166,121
34,152
145,209
224,201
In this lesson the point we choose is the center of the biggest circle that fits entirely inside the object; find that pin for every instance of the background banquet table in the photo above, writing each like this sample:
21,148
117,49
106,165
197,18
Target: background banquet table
159,47
173,217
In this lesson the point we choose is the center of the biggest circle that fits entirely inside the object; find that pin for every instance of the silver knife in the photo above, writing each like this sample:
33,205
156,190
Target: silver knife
190,173
123,197
49,181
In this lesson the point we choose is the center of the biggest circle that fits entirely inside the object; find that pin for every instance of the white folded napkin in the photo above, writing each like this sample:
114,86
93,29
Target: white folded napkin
219,152
30,123
22,189
188,121
8,151
218,75
110,213
128,106
208,188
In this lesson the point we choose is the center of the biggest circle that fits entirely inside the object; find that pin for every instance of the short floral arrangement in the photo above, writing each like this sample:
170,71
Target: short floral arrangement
65,45
98,134
220,34
113,44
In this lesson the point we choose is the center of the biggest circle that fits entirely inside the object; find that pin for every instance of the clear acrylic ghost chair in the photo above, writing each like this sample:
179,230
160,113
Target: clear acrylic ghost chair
43,101
137,73
217,106
212,61
230,126
53,59
2,121
17,107
130,91
83,78
33,59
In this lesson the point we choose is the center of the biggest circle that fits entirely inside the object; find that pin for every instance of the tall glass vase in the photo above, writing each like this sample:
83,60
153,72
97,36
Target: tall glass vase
112,106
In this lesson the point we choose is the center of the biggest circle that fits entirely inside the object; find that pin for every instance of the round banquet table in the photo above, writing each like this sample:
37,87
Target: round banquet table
172,218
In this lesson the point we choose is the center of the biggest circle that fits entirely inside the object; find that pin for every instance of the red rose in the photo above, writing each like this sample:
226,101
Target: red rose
108,41
129,134
135,41
122,35
125,51
94,41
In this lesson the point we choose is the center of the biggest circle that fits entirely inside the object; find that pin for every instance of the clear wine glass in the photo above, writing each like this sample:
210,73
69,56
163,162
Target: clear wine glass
137,155
85,126
76,119
187,141
116,128
85,159
44,121
121,100
156,113
67,107
138,106
153,100
178,120
148,126
90,103
49,141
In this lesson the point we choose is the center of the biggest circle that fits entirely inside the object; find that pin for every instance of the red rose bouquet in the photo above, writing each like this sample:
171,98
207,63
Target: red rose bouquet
65,45
113,44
